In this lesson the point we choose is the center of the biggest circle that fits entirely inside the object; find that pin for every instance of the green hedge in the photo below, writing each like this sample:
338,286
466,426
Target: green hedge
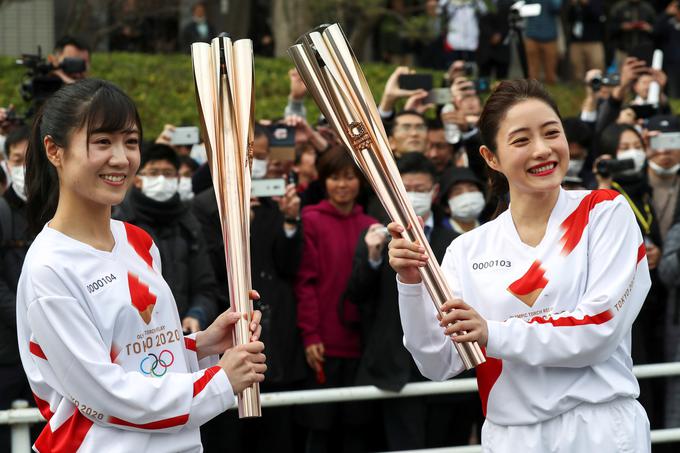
162,86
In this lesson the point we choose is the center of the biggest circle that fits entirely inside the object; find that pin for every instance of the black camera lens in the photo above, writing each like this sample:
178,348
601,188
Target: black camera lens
596,83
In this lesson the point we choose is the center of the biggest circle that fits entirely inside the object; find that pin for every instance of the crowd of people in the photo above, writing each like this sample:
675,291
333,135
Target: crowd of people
330,316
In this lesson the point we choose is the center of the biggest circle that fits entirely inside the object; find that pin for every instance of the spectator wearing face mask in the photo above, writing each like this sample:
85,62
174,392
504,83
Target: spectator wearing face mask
462,198
199,29
622,141
154,205
187,168
408,423
579,135
14,242
662,171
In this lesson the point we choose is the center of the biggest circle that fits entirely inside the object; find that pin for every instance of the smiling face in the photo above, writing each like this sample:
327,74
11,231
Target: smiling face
532,150
97,171
342,188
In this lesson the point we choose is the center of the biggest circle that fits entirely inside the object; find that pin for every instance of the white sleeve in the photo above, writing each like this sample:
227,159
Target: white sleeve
617,284
192,355
433,351
80,362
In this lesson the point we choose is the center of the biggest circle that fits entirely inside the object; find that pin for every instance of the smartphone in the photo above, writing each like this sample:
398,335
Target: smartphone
268,187
281,142
415,81
470,69
666,141
185,136
438,96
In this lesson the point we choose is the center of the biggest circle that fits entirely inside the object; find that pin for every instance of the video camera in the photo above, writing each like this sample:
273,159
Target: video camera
608,80
40,83
609,167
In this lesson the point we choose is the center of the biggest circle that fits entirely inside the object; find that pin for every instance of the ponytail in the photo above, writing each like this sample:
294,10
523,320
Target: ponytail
42,182
94,104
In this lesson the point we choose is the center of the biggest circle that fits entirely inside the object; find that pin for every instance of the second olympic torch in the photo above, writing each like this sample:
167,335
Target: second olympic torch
223,73
335,80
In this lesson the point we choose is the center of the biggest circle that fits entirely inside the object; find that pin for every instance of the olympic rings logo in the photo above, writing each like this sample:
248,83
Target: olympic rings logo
157,365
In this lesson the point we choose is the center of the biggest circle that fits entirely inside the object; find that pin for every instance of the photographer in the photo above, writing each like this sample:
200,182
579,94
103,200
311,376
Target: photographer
630,25
73,48
667,37
586,25
541,41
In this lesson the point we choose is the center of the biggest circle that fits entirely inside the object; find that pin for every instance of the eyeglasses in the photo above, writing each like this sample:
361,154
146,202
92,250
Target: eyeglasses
154,172
411,127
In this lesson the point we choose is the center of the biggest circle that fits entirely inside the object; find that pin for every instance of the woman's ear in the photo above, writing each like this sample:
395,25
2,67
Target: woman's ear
54,152
490,158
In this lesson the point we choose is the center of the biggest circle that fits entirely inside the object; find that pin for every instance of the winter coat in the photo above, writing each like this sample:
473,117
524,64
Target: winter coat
330,239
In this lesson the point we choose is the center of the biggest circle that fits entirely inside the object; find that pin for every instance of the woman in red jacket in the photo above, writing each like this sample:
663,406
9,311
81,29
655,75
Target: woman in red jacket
329,324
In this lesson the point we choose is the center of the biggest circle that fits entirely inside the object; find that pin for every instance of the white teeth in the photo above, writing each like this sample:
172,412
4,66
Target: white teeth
113,178
543,168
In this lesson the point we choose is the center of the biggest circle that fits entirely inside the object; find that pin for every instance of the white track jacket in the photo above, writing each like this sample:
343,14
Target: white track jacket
559,314
101,342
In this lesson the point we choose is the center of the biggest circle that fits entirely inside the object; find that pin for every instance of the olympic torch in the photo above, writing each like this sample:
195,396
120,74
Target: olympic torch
223,74
335,80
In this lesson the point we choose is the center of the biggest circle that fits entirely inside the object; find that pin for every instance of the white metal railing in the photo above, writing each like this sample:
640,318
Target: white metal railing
21,416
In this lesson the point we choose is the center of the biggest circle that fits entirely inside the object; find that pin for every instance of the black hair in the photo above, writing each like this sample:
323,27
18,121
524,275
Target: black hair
18,135
333,161
260,130
189,162
158,151
71,41
611,136
96,105
577,131
390,125
416,163
434,124
506,95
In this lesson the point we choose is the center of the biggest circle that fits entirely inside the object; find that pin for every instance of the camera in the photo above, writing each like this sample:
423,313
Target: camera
609,167
609,80
40,83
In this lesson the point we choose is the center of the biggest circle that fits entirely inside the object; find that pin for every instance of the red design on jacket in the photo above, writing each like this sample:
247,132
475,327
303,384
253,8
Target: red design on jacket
576,223
142,299
530,285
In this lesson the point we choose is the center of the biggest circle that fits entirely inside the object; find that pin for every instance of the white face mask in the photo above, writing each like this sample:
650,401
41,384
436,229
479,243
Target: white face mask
638,157
159,188
17,174
467,206
575,166
185,188
259,168
659,170
421,202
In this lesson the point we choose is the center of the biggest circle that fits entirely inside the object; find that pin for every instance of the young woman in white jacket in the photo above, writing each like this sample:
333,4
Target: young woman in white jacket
549,289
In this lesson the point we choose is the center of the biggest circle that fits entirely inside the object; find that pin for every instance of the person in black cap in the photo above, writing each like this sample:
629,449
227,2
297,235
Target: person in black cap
663,164
462,198
579,135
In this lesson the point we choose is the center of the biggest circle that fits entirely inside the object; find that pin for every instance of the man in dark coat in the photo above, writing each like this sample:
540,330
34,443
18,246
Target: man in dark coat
155,206
14,243
409,423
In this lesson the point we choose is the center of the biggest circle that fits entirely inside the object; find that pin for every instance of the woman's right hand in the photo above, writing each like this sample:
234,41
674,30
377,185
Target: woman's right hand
244,365
405,256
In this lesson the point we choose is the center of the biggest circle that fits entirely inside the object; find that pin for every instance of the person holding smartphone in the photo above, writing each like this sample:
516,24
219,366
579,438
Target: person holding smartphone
99,334
534,288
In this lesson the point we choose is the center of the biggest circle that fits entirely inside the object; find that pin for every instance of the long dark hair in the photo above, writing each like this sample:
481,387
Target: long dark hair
507,94
95,104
